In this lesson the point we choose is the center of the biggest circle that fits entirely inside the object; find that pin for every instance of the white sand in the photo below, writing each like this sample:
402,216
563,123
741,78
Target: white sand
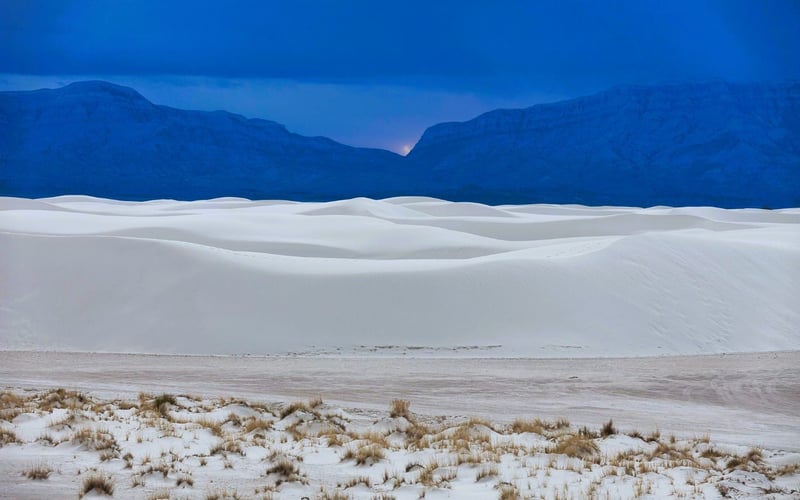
237,276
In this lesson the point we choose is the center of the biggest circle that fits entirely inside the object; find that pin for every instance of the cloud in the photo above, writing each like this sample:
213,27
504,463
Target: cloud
501,47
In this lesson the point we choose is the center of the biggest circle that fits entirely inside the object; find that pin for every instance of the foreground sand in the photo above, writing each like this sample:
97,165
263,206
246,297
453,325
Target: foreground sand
742,399
62,443
234,276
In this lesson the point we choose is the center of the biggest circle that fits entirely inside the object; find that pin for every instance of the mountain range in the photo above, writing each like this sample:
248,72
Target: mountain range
721,144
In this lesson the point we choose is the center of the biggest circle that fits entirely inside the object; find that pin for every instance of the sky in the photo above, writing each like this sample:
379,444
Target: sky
377,73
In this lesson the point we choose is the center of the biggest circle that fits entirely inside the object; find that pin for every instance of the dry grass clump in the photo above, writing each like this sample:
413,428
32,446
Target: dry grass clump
417,435
10,399
355,481
538,426
435,473
99,439
574,445
334,437
47,438
7,437
333,495
227,446
98,483
463,438
162,494
509,492
62,398
38,471
217,494
755,455
400,408
162,468
365,455
752,460
184,479
788,469
156,404
11,405
473,458
214,426
711,453
307,406
374,438
368,455
286,470
608,429
485,471
293,407
256,424
670,451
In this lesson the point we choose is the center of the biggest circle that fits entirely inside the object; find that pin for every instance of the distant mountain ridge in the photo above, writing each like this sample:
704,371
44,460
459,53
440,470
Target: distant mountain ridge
729,145
107,140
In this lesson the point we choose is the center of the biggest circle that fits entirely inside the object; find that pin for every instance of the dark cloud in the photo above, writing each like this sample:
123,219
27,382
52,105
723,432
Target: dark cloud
490,45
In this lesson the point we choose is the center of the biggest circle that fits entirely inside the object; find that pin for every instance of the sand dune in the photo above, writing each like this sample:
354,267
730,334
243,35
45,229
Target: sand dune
235,276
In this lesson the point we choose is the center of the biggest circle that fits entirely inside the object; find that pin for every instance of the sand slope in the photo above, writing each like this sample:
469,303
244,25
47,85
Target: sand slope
238,276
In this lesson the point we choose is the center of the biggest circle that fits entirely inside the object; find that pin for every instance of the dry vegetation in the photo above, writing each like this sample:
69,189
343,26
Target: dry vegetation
98,483
528,458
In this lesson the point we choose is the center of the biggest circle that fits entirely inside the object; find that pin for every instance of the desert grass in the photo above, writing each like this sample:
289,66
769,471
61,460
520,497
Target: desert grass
307,406
95,439
525,459
575,445
608,429
40,470
400,408
365,455
508,492
7,436
97,483
256,424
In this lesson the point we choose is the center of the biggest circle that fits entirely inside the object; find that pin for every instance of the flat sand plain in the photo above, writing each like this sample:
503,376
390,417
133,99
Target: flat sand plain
742,399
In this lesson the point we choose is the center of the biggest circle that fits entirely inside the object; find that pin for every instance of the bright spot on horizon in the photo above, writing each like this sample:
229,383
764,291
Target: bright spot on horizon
406,149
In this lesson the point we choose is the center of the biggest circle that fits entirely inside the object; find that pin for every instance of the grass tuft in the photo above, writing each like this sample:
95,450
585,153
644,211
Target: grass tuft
608,429
400,408
38,471
575,446
98,483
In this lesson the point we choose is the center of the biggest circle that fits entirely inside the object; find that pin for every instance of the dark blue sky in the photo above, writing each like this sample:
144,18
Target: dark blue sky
376,73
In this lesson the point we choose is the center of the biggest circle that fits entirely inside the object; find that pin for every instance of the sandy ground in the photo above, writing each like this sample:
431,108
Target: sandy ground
743,399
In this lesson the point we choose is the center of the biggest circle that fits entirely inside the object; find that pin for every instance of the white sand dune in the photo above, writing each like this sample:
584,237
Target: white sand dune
237,276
